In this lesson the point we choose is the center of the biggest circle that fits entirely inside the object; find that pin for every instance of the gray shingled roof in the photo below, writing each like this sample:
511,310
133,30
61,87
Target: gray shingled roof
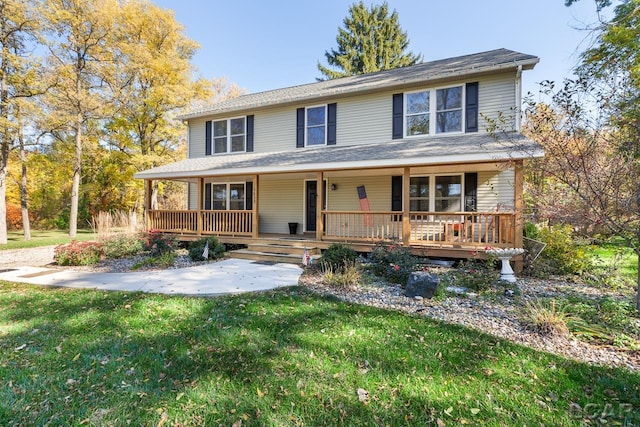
467,65
421,151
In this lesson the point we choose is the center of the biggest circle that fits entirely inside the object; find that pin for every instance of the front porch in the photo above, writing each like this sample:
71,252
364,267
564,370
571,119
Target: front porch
476,205
437,230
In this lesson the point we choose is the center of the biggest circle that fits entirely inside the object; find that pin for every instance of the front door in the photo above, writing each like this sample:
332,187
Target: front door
311,204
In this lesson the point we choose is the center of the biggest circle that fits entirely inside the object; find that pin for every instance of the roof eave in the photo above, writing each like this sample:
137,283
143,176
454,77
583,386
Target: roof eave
366,164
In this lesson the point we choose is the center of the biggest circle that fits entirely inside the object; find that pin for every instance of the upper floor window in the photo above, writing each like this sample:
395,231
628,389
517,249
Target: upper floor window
449,110
229,136
316,126
440,107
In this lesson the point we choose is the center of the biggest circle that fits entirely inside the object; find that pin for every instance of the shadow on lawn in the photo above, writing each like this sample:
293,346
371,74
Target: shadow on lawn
283,357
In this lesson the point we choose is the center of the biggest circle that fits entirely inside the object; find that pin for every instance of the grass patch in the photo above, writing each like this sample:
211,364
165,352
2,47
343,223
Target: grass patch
71,357
622,259
15,239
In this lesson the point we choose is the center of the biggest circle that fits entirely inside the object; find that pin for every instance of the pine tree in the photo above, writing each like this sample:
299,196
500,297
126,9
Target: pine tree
371,40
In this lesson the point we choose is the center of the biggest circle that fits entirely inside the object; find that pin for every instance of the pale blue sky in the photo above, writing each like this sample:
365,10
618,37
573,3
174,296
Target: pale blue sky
262,45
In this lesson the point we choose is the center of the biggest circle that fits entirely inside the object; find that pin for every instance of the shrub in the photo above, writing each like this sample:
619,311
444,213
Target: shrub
122,245
476,274
77,253
338,255
562,255
164,260
196,249
158,243
547,319
530,230
392,262
348,276
14,217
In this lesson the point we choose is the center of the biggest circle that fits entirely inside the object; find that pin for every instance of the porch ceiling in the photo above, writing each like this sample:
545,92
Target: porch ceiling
451,149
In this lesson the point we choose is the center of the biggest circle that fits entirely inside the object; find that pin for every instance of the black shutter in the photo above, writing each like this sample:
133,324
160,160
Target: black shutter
300,128
249,134
207,138
398,107
471,192
248,195
396,193
207,196
331,124
471,107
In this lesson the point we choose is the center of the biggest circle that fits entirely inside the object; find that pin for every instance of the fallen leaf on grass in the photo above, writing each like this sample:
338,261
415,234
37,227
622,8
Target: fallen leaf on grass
363,395
22,347
449,410
475,411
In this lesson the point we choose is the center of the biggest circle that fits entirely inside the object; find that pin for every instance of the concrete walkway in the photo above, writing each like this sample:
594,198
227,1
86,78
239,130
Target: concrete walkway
224,277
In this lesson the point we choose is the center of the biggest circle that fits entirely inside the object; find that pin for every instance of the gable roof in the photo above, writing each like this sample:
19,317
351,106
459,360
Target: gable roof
467,65
463,148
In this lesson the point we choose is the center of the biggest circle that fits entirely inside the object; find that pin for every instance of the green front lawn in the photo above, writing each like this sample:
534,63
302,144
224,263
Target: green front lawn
44,238
621,258
82,357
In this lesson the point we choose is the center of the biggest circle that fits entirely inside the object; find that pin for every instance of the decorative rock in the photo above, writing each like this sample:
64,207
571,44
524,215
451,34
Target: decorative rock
459,290
421,283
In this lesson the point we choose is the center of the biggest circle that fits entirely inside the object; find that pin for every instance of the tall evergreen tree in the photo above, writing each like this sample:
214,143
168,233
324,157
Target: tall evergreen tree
371,40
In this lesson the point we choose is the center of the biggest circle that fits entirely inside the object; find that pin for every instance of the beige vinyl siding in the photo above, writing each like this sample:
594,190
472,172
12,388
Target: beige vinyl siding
192,196
497,94
345,197
495,188
275,130
363,119
196,138
281,202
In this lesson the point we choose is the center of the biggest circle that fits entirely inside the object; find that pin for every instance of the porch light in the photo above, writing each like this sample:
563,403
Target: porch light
334,187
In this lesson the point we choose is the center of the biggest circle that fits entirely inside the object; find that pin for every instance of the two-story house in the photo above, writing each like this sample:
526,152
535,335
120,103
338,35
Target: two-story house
401,155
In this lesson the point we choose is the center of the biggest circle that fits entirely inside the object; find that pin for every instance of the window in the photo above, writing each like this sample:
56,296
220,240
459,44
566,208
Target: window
449,110
229,136
316,125
419,194
446,195
228,196
443,107
417,115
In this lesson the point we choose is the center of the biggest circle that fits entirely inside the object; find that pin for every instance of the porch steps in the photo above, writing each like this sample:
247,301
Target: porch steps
275,252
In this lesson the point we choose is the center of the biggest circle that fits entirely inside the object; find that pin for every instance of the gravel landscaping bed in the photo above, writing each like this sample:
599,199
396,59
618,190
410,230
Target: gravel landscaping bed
496,315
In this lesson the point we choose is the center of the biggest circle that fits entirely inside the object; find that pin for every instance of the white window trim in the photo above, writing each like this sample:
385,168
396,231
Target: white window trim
306,126
432,185
432,111
229,135
228,193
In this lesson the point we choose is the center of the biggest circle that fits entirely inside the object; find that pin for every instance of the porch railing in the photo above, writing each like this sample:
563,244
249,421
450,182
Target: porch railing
231,223
183,222
427,228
